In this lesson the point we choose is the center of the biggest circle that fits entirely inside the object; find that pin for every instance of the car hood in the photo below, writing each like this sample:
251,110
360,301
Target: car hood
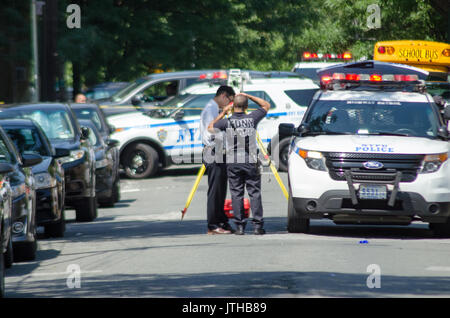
373,144
134,120
66,144
43,166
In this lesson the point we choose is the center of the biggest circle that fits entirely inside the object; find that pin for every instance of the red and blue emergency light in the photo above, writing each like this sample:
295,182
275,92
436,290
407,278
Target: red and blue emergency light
371,72
326,56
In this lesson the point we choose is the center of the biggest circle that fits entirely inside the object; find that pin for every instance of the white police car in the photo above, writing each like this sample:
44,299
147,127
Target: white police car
372,149
171,133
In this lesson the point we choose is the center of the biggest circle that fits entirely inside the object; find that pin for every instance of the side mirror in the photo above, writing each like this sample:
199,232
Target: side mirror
303,128
6,168
178,115
136,100
84,133
286,130
61,152
111,129
30,159
112,143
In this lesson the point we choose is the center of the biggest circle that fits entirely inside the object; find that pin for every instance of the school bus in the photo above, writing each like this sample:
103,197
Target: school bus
433,57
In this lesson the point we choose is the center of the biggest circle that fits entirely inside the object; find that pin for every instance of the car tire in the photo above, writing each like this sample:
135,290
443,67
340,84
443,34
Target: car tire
282,149
86,210
58,228
295,223
441,230
25,252
116,190
9,255
2,270
109,202
141,161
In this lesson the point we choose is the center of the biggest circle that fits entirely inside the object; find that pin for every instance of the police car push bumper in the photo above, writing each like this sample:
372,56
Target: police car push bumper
427,196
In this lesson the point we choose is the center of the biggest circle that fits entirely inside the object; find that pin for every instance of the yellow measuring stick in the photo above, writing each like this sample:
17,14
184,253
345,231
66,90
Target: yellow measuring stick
200,174
202,170
272,167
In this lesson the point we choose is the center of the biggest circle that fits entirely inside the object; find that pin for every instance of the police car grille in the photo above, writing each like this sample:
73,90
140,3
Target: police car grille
338,163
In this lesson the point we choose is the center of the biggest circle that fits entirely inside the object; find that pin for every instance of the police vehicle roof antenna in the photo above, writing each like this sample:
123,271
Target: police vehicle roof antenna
235,80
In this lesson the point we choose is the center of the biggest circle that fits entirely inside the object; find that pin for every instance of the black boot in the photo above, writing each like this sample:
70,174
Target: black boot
239,229
259,230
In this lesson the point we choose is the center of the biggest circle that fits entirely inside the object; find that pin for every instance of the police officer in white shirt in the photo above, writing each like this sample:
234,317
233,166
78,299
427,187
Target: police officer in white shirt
214,160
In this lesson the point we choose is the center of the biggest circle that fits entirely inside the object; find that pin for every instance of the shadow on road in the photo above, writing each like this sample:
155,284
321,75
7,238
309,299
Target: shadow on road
111,228
178,171
189,170
414,231
24,268
239,284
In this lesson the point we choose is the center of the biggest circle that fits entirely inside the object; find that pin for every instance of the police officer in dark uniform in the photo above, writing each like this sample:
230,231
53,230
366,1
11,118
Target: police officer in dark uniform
242,167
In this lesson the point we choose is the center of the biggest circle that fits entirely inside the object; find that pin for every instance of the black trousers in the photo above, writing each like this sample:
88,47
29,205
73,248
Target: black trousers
241,176
217,192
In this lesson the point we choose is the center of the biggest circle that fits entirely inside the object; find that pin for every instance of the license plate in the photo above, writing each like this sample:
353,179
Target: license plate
372,192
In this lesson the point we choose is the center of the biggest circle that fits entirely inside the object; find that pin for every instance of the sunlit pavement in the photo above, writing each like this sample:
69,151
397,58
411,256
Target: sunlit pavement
141,248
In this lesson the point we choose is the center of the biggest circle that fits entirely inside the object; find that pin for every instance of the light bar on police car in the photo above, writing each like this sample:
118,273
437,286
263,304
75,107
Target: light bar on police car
214,75
369,77
366,69
318,56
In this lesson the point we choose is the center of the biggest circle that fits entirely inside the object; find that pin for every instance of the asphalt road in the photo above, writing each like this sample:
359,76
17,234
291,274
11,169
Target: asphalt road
140,248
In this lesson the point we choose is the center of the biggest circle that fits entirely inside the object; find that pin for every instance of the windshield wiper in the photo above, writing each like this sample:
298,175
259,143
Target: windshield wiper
317,133
387,133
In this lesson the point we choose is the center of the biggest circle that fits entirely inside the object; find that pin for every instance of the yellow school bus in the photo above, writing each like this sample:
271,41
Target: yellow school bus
433,57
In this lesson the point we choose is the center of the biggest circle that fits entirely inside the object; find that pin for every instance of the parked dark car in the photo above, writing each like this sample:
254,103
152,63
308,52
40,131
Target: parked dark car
29,137
93,113
105,167
104,90
23,216
5,221
65,134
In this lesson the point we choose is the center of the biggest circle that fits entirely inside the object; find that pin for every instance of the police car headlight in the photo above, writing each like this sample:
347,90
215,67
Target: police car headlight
101,163
44,180
74,155
432,163
313,159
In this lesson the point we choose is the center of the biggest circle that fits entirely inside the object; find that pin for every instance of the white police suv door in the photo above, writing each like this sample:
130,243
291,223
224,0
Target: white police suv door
186,142
266,126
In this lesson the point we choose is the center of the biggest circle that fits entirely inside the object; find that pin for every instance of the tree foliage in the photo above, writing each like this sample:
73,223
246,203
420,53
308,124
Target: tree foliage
124,39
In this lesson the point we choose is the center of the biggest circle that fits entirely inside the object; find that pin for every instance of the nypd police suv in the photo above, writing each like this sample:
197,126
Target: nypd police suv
170,134
372,148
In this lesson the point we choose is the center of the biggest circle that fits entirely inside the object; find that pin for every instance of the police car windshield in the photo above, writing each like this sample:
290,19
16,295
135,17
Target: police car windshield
373,117
117,97
175,103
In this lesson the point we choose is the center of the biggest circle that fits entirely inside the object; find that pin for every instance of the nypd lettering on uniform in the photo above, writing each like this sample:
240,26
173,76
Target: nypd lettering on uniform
374,148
